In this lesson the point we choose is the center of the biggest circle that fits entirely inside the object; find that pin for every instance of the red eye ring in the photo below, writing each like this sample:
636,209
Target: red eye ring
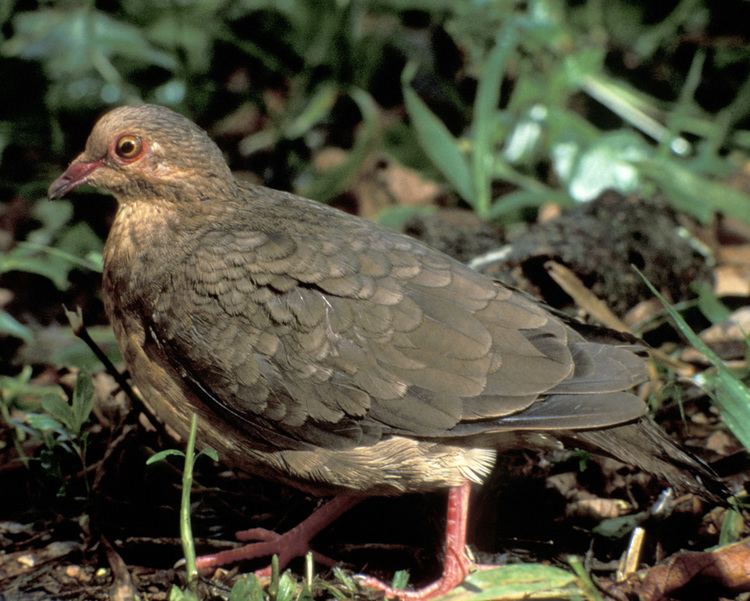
128,147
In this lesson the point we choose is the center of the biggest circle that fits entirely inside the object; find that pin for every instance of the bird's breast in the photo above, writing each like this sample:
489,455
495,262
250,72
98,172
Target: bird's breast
143,248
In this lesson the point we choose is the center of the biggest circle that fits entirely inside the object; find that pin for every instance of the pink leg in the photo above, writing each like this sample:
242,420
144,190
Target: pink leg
456,565
287,546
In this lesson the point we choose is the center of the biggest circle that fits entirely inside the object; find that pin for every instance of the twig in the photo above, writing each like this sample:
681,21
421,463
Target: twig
79,329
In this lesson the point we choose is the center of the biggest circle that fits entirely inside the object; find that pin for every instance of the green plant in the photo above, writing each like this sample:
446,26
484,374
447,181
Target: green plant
554,61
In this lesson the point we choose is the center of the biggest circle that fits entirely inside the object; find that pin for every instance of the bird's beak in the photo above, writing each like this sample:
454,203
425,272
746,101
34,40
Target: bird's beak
75,175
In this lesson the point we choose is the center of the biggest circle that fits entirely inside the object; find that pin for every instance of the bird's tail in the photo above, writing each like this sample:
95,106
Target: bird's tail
645,445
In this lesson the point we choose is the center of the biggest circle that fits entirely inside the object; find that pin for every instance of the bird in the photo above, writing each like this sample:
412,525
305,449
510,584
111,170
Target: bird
326,352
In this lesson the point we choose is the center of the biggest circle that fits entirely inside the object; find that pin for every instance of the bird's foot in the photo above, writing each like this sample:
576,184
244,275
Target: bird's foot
290,544
456,565
455,569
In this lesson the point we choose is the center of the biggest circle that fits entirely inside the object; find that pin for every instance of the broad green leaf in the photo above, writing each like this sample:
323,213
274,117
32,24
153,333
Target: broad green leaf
247,588
609,163
437,142
523,581
172,30
60,410
62,257
44,422
287,588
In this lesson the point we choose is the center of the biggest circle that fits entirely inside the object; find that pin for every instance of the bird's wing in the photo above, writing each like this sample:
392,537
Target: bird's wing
334,339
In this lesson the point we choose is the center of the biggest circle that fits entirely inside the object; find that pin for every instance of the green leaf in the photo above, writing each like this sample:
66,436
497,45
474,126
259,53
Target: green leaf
44,422
317,108
400,579
523,581
177,594
396,216
161,455
732,527
72,416
522,199
436,141
694,194
19,391
732,397
10,326
22,258
246,588
344,578
209,452
336,180
709,304
69,39
83,400
609,163
287,587
485,110
53,217
57,345
620,526
60,410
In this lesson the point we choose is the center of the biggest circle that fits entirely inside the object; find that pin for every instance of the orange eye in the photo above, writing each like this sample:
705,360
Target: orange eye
128,147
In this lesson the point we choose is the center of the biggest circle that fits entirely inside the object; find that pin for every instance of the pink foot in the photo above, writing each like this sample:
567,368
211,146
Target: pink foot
456,565
291,544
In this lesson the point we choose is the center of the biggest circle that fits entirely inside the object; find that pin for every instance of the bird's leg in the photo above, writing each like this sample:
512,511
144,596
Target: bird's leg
456,564
287,546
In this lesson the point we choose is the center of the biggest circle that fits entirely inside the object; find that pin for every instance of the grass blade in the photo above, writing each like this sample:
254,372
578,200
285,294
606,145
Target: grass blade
732,397
485,108
437,142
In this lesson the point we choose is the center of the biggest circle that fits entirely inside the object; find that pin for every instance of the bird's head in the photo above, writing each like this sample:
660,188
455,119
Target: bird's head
146,151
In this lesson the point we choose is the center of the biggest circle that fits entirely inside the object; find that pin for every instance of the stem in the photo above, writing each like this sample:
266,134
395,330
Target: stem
186,530
79,329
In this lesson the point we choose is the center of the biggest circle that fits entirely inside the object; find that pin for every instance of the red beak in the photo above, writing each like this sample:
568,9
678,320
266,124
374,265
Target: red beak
74,176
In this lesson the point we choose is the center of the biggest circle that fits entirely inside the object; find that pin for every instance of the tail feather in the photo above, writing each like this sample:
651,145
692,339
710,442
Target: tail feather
645,445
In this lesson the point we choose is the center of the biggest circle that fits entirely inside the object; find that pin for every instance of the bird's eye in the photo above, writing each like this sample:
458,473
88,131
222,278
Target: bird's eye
128,147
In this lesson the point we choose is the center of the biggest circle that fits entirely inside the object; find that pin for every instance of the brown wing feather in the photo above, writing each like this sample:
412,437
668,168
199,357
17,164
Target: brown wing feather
277,333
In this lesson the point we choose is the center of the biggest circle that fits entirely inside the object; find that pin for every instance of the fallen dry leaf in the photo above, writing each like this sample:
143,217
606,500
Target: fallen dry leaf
726,568
721,443
583,297
732,280
384,182
736,254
